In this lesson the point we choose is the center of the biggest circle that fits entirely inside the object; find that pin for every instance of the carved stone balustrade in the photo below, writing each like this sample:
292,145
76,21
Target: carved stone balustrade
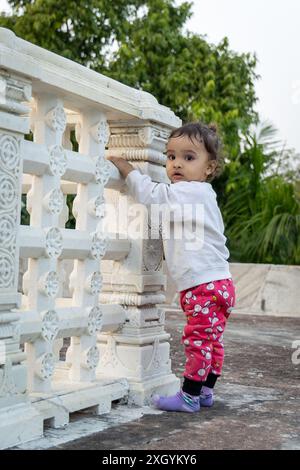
94,286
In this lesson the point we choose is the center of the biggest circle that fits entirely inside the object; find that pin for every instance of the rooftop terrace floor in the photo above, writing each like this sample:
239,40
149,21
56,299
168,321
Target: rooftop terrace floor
257,402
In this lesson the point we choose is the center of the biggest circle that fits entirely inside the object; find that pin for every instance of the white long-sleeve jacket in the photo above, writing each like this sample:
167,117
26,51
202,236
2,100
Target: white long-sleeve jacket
192,228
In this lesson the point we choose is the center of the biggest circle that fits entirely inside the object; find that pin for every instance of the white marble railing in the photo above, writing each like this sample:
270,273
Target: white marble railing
118,346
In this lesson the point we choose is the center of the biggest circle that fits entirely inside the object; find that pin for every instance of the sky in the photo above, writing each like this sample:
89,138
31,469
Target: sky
271,29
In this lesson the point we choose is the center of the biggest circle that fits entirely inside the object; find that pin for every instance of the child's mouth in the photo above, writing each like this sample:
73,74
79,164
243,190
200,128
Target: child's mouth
177,176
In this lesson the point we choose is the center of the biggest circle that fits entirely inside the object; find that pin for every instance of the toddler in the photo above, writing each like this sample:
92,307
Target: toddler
200,270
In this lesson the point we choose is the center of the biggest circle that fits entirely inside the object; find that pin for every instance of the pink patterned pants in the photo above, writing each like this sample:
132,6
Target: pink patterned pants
207,308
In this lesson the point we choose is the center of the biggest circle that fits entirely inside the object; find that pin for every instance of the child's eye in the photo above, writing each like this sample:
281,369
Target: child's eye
189,157
170,157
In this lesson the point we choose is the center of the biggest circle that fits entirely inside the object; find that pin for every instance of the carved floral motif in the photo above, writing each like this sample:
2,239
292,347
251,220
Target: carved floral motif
7,272
100,132
9,152
92,357
54,242
50,325
102,171
45,366
58,160
94,283
54,201
99,245
56,118
94,320
49,284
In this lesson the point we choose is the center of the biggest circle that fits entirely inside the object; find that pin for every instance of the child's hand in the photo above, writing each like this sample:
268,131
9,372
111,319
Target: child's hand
123,166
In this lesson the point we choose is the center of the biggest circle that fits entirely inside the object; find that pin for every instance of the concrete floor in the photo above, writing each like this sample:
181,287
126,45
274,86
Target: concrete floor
257,398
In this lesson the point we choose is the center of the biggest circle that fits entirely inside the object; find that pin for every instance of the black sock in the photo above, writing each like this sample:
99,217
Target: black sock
192,387
211,380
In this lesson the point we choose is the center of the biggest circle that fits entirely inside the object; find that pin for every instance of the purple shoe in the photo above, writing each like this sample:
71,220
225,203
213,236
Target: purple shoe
180,402
207,399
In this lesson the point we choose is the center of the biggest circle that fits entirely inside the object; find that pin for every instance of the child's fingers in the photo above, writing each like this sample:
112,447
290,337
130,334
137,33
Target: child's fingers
114,160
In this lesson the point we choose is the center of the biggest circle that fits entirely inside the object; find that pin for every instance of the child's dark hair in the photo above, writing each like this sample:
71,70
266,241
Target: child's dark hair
211,140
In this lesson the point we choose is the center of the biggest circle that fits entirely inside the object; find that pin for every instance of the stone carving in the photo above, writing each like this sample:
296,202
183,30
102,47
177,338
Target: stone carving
93,283
162,317
144,317
9,152
102,171
96,207
100,132
153,255
56,119
53,201
153,252
100,207
9,198
7,230
50,325
49,284
92,357
14,92
110,358
94,320
45,366
146,135
8,192
58,160
7,385
139,144
134,319
156,359
99,245
7,330
7,272
132,298
54,242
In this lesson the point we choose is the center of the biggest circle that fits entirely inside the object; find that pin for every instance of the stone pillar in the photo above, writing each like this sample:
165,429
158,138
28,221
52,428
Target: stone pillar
140,351
45,202
18,420
86,279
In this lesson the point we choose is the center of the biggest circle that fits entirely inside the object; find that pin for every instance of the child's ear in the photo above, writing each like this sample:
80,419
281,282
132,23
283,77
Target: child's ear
211,168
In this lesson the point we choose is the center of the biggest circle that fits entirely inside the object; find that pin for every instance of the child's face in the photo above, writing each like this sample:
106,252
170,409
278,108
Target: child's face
187,160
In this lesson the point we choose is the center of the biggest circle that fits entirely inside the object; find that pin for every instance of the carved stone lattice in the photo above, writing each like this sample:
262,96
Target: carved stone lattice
56,119
9,153
45,366
50,325
102,171
54,201
100,132
153,251
49,284
54,242
58,160
94,283
99,245
95,317
92,357
7,385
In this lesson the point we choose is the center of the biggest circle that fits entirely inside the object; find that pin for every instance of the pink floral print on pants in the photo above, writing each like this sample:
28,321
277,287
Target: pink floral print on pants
207,308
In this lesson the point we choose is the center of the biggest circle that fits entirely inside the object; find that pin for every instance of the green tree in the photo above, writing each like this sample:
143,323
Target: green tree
141,43
262,207
80,30
196,79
